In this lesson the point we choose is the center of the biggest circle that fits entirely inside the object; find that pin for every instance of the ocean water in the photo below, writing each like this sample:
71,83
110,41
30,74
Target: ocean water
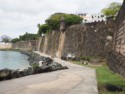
13,60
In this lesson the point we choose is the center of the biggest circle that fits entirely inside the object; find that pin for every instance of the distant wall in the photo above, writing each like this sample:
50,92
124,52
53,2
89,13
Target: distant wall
26,45
5,46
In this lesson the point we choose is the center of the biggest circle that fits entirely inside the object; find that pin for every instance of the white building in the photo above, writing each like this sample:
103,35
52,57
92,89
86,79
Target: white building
88,18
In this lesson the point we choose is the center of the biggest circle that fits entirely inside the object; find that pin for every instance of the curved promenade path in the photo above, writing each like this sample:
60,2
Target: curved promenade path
75,80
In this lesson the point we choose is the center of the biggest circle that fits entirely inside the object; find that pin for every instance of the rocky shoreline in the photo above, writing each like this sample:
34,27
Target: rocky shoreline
39,64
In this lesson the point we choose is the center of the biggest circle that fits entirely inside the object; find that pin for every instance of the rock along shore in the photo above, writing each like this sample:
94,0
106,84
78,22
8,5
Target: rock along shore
39,64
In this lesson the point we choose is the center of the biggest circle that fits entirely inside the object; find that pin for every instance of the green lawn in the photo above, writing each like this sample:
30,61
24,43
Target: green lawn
105,76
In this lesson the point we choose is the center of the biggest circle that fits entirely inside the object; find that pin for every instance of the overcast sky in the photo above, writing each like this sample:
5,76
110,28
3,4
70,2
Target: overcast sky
20,16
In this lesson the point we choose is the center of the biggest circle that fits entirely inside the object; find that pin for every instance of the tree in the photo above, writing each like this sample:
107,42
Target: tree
43,29
54,20
25,37
15,40
5,40
112,9
28,36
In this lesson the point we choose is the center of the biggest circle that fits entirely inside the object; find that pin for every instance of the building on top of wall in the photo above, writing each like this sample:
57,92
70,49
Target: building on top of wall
89,18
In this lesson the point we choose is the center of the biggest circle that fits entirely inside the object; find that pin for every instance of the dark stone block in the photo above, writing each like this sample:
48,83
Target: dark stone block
116,63
47,68
37,70
113,88
15,74
5,74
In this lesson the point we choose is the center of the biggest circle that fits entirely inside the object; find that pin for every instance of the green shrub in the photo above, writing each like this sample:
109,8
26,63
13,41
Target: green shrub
43,29
70,19
85,58
35,65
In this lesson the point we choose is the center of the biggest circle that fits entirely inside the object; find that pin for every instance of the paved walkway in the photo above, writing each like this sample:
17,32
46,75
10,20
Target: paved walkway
75,80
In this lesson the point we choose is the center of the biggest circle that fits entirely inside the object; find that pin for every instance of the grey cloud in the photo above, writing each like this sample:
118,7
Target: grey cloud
20,16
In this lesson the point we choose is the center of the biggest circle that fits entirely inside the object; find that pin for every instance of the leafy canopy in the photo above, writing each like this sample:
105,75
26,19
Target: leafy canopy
15,40
6,40
25,37
43,29
54,20
28,36
112,9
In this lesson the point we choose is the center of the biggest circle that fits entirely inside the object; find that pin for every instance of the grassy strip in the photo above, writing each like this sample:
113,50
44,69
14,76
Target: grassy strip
105,76
9,49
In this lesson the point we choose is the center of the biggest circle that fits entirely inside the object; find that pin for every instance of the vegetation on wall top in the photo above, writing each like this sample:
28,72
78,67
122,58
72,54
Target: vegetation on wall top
25,37
53,22
112,9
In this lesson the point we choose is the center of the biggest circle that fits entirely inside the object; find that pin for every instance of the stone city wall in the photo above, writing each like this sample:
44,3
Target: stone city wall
80,40
119,36
116,59
87,40
50,43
